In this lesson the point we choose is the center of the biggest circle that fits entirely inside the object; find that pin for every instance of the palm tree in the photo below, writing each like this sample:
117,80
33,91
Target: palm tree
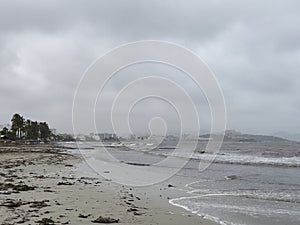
17,124
44,130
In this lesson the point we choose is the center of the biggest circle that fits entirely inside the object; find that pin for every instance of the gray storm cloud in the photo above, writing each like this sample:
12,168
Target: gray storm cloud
252,46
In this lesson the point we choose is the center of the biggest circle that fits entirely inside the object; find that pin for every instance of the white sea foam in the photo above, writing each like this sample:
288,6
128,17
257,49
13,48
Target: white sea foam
242,159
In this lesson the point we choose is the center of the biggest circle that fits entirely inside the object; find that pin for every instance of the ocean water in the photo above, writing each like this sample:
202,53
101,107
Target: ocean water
244,194
249,183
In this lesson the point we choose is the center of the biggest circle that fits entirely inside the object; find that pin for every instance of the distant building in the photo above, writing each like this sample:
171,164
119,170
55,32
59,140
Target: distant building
132,137
53,131
107,136
80,138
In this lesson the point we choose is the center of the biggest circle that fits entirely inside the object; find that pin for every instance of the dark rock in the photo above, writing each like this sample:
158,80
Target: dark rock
101,219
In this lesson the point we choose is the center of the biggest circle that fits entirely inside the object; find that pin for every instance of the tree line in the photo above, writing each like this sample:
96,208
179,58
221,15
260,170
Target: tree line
25,129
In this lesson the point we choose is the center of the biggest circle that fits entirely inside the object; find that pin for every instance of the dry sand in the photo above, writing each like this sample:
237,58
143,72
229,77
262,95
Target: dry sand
37,186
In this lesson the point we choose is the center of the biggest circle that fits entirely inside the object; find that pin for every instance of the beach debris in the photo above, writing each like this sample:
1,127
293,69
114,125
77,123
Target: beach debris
45,221
84,216
138,213
39,204
170,185
10,203
2,174
33,210
88,178
22,220
65,183
40,177
22,187
5,192
132,210
136,164
68,178
9,180
84,182
128,203
15,187
101,219
69,209
68,165
231,177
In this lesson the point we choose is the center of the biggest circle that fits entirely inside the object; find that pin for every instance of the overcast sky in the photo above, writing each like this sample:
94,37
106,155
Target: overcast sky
252,46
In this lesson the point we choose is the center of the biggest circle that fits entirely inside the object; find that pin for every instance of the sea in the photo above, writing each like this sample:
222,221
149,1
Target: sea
250,181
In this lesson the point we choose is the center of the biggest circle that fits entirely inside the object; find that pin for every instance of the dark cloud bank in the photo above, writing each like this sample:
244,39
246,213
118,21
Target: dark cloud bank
252,46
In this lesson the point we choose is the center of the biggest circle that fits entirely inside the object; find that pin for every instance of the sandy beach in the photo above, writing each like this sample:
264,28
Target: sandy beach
38,186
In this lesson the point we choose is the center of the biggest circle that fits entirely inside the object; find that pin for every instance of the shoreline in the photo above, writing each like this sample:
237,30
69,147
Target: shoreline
39,186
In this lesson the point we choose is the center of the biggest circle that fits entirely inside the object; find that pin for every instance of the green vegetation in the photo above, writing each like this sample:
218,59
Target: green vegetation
22,129
26,130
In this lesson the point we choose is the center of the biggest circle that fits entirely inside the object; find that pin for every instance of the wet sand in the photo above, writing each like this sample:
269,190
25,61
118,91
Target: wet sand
38,186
